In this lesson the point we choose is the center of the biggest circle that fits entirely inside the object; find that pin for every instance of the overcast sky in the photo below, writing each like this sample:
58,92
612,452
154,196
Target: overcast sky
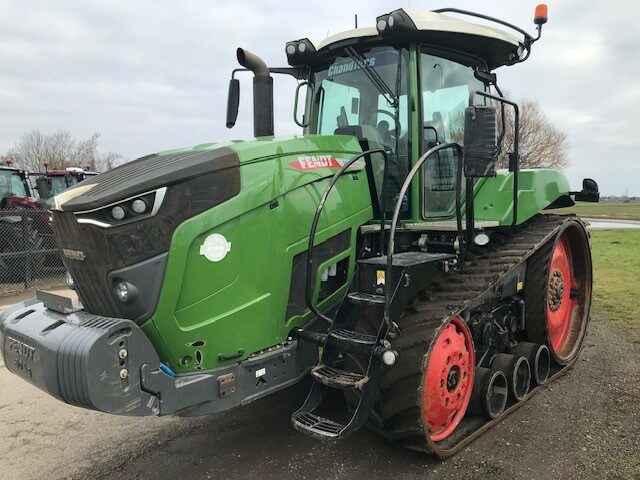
151,75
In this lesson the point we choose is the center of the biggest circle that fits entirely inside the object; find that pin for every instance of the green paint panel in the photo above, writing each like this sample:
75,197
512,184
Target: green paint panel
537,189
206,308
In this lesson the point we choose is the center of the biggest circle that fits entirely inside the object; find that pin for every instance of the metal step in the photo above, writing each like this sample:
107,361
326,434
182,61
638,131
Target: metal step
336,378
315,425
407,259
366,299
309,336
345,335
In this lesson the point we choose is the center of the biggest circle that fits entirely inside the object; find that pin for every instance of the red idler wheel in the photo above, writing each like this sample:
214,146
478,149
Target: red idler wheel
568,295
448,379
557,293
560,304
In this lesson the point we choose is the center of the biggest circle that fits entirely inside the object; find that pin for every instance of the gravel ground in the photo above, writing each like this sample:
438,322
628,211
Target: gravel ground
585,425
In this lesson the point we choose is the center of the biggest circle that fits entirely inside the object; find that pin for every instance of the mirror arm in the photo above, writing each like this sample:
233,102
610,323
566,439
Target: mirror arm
299,73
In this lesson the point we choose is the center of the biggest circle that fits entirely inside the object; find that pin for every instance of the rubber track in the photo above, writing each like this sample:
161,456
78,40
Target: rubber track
398,410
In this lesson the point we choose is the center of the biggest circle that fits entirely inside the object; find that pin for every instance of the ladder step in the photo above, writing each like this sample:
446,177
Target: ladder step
309,336
315,425
406,259
366,299
336,378
345,335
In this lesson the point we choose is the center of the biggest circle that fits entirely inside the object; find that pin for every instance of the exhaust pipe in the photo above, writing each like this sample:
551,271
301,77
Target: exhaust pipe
516,369
489,394
262,92
539,360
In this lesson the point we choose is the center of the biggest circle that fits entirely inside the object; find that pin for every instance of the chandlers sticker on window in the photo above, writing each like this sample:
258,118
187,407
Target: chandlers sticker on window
342,66
314,162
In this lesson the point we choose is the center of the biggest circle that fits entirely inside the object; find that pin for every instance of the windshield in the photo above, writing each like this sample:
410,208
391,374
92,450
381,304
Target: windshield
11,184
61,183
346,101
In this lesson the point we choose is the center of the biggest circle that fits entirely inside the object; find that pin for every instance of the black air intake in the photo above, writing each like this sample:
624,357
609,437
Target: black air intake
262,93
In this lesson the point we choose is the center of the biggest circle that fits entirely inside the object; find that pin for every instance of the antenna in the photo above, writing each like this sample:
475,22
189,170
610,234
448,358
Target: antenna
356,20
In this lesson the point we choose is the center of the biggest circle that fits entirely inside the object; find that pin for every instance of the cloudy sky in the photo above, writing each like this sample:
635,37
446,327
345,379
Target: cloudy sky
151,75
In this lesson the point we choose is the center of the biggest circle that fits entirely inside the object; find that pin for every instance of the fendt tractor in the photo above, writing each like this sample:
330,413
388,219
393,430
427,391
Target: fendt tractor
381,251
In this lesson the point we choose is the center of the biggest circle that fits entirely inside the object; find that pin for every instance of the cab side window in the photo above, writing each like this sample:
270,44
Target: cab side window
446,91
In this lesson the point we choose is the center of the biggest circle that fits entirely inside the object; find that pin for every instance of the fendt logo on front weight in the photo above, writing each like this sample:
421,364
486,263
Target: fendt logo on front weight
74,254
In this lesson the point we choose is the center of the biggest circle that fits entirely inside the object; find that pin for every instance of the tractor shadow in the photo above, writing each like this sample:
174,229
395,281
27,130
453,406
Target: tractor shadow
258,441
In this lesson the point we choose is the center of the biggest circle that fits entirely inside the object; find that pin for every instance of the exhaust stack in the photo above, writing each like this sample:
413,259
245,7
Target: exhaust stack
262,93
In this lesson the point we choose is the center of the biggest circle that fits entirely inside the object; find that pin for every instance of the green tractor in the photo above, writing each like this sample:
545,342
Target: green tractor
380,251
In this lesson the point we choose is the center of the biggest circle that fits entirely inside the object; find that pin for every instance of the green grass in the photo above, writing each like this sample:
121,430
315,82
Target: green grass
617,210
616,289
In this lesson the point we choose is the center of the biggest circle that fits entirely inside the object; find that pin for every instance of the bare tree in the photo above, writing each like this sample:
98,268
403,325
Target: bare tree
542,144
60,150
107,161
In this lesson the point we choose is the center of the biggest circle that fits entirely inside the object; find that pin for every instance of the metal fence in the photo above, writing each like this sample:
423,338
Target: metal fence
29,256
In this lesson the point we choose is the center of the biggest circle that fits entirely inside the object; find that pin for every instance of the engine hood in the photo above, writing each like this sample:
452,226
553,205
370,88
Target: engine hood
313,155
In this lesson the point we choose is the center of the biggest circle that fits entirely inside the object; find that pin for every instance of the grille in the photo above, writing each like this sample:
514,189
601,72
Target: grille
108,249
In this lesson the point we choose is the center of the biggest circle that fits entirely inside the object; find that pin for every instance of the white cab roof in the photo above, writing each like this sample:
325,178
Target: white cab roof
435,23
427,21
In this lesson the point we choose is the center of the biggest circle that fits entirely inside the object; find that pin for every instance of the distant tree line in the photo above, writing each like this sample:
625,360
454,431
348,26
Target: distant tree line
619,198
59,150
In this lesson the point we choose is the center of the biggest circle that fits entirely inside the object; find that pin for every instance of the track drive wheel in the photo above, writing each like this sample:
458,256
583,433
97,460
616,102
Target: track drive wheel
558,293
424,397
447,380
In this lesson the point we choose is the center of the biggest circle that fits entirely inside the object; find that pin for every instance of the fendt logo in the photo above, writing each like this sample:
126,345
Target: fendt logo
74,254
313,162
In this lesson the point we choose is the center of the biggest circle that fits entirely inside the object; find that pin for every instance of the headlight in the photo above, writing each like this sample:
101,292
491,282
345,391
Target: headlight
125,211
122,291
139,206
300,52
125,291
118,213
69,279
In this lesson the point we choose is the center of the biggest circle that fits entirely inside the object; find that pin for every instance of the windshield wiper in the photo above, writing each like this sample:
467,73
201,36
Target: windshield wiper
373,75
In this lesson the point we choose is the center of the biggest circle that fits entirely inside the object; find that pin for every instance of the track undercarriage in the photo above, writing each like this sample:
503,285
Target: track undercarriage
471,348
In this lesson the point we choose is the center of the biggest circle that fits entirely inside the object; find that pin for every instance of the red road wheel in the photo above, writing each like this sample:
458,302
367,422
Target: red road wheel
448,380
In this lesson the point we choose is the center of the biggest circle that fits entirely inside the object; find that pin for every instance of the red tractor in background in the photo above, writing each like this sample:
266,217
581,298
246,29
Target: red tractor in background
19,233
52,182
24,218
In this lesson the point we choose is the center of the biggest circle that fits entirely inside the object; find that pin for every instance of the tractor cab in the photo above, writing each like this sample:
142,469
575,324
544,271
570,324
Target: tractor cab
53,182
14,187
403,87
416,81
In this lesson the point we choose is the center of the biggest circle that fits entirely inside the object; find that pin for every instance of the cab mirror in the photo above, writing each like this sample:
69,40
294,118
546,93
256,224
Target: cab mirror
480,145
233,102
308,89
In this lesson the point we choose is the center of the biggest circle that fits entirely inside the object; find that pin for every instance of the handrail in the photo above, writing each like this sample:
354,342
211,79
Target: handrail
316,218
396,214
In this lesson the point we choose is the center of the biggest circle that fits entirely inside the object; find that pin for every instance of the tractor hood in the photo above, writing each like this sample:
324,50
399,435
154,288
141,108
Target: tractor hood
320,155
123,223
